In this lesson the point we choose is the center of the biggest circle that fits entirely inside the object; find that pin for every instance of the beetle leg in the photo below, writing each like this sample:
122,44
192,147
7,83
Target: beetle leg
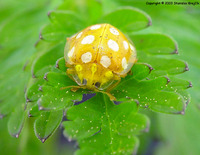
112,98
73,88
118,78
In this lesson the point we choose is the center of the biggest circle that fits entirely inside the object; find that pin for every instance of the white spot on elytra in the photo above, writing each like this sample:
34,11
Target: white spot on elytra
132,48
114,31
79,35
95,27
86,57
125,45
105,61
124,63
113,45
71,52
88,39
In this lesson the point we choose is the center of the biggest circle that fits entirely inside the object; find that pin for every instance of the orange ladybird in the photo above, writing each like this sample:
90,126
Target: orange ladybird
98,57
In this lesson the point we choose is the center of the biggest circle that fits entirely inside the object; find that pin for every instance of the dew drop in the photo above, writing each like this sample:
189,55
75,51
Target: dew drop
131,130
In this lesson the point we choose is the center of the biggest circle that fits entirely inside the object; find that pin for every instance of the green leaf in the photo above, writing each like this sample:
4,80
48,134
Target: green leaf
33,109
33,91
151,48
54,32
45,62
150,93
179,86
154,44
54,96
6,107
131,19
47,123
140,71
58,79
176,83
89,10
9,87
163,66
56,99
16,121
104,121
60,64
66,19
94,11
64,24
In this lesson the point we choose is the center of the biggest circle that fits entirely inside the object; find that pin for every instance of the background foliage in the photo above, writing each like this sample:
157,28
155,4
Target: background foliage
17,44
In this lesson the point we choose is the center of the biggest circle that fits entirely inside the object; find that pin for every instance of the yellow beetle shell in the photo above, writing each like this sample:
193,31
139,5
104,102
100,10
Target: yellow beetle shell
98,55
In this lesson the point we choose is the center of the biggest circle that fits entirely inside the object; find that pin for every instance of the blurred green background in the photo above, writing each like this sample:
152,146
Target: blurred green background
20,25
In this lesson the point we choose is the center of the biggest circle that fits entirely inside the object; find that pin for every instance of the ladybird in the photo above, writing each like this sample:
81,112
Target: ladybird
98,57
